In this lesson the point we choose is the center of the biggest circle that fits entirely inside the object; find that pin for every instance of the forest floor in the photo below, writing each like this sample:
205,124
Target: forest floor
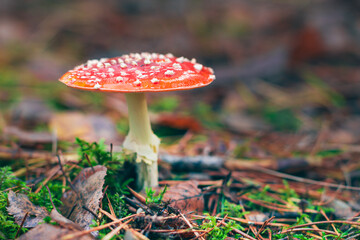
269,150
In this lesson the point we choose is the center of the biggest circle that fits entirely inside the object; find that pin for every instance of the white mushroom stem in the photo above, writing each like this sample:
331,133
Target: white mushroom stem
142,140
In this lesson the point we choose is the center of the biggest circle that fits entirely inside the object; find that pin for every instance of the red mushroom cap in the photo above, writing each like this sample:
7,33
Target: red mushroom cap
144,72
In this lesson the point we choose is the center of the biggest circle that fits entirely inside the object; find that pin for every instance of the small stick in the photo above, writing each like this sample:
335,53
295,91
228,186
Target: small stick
90,211
252,228
353,236
72,210
134,203
248,222
52,203
332,225
22,223
116,230
64,185
189,224
147,227
308,229
264,225
88,160
66,178
241,233
82,233
320,138
137,195
324,222
104,192
209,230
110,206
55,171
111,151
301,179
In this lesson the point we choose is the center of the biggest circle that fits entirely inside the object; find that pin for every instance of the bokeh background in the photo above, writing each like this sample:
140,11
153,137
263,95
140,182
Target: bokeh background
288,66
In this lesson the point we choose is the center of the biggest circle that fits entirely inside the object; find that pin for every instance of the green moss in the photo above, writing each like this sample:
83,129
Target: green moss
165,104
8,227
281,119
219,232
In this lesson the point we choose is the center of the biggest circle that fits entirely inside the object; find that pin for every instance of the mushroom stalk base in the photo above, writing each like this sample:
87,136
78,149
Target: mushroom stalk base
142,140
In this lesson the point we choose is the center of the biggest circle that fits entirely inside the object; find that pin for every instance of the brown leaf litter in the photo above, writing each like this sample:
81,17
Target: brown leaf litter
20,206
50,232
82,202
186,197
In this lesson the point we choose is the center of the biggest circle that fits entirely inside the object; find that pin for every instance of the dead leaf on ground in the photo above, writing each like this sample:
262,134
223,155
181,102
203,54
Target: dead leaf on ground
342,209
179,122
30,112
186,197
63,221
27,137
284,145
88,186
91,127
19,205
50,232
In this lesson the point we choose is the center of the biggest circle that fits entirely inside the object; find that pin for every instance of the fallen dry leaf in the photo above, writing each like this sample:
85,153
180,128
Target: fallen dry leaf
27,137
63,221
342,209
179,122
91,127
88,192
185,196
29,112
50,232
19,205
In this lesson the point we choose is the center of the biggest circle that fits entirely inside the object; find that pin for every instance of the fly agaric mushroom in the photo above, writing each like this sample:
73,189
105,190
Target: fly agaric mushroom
135,74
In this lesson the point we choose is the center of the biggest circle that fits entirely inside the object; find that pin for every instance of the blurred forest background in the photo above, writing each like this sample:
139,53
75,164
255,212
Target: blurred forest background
282,67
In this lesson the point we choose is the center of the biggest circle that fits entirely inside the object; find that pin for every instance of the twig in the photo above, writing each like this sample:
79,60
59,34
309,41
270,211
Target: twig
88,160
264,225
191,227
82,233
270,234
66,177
111,151
52,203
300,179
116,230
353,217
326,222
146,228
252,228
248,222
90,211
332,225
352,237
172,231
109,215
110,206
241,233
137,195
21,225
135,233
136,204
307,229
320,138
267,205
55,171
104,192
209,230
